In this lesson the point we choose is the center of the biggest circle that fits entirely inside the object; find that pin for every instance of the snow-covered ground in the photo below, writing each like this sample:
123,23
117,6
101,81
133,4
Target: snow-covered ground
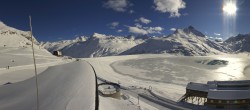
63,85
168,75
69,86
20,63
60,86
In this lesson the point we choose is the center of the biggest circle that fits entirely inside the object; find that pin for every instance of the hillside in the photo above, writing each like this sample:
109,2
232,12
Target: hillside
11,37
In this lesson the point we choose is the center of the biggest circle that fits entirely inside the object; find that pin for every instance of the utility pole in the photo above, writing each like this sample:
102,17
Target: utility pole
34,59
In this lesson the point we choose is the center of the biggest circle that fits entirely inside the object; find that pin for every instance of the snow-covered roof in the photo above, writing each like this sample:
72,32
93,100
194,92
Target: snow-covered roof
197,87
231,83
228,94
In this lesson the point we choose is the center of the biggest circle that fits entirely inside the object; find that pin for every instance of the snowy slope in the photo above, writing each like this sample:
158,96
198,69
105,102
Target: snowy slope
239,43
186,41
65,87
11,37
20,62
100,45
16,60
59,45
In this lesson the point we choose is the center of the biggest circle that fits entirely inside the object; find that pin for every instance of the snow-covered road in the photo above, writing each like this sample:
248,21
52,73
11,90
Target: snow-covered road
69,86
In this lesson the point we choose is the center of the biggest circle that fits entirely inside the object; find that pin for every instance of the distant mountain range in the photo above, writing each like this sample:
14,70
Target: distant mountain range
187,41
95,46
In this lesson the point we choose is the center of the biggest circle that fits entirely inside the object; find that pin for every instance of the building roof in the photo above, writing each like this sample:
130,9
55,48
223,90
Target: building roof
230,83
224,90
197,87
228,94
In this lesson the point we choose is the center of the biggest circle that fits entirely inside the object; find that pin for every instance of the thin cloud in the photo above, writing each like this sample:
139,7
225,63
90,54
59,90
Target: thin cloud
120,30
118,5
138,29
217,34
143,20
185,14
113,25
170,6
131,11
173,29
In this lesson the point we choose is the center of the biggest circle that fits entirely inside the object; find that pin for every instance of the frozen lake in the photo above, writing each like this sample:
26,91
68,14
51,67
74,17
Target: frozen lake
181,70
168,75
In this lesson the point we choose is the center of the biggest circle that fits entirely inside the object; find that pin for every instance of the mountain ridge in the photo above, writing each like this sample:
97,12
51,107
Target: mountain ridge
12,37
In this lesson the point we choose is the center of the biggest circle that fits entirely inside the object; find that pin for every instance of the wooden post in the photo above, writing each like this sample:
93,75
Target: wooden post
34,59
198,100
192,99
138,99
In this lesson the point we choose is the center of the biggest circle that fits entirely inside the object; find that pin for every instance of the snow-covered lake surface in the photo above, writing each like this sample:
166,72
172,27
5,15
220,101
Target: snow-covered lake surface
181,70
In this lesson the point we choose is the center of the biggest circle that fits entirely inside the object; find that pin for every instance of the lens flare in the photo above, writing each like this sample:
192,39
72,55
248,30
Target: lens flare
230,8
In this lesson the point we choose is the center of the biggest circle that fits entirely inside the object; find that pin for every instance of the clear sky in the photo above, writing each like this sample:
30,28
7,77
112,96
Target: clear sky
65,19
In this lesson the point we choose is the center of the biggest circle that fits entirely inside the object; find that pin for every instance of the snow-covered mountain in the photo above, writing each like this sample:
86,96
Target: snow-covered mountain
100,45
186,41
59,45
11,37
239,43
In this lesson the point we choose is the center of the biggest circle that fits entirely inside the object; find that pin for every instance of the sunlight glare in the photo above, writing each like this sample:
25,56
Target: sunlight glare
230,8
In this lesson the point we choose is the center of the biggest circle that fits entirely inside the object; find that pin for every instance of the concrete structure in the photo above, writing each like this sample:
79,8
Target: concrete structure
109,90
219,94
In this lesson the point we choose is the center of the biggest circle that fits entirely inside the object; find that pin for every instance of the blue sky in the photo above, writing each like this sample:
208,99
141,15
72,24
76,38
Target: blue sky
57,19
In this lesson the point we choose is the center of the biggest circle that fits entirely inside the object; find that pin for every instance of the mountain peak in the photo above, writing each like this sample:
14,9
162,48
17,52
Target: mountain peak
97,35
191,29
